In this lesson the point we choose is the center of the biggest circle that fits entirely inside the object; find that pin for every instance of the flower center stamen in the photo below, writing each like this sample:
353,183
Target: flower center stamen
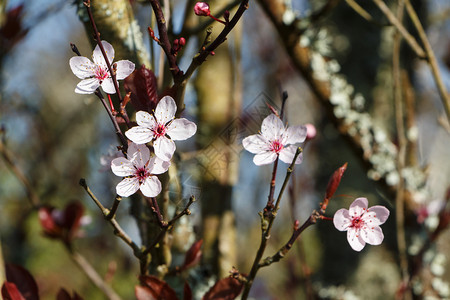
357,222
160,130
142,174
101,74
276,146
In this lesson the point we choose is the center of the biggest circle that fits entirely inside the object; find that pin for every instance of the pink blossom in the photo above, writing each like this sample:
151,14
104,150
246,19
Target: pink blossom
202,9
275,141
161,128
361,223
95,73
139,170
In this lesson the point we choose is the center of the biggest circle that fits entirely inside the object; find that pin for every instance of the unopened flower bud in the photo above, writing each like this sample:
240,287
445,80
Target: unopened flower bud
310,131
182,41
202,9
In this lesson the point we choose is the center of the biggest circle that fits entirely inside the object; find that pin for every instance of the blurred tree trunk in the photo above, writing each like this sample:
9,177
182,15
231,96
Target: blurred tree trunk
117,25
219,97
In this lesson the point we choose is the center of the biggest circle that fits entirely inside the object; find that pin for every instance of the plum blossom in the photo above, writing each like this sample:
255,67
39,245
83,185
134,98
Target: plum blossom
139,170
95,73
274,141
361,223
162,128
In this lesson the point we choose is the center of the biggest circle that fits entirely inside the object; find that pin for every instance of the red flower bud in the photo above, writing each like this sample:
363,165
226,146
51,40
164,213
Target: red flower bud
202,9
182,41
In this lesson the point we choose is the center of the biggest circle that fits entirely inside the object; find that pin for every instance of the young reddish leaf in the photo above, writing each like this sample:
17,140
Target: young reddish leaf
11,292
142,85
12,30
193,255
144,293
156,287
224,289
72,218
187,292
63,294
51,229
334,182
23,280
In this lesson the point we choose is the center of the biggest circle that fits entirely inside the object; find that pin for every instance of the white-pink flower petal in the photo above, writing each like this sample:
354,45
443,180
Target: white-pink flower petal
158,166
82,67
87,86
294,135
381,213
165,110
108,86
287,155
164,148
121,166
358,207
123,69
97,55
127,187
342,220
264,158
181,129
139,134
272,127
355,240
151,187
372,235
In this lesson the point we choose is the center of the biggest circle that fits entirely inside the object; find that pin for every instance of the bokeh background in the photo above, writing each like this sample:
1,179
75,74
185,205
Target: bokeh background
57,137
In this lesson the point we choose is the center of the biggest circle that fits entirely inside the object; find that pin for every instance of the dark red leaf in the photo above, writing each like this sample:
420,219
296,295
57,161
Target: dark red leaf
12,30
143,87
224,289
144,293
11,292
187,292
193,255
156,287
51,229
23,280
72,217
334,181
63,294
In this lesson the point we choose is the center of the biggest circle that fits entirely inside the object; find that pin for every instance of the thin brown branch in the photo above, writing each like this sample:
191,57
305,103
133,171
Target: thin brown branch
402,143
113,119
118,231
87,268
406,35
266,226
445,97
112,72
10,162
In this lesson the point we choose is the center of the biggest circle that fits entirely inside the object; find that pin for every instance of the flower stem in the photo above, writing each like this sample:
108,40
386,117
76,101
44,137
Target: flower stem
265,231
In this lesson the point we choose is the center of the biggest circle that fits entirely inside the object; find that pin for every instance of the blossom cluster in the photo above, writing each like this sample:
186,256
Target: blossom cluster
160,129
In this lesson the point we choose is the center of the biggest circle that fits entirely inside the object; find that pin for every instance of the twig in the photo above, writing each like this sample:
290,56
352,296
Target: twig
10,160
401,136
295,234
87,268
112,72
169,225
359,10
445,97
157,212
406,35
266,225
115,206
99,94
118,231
